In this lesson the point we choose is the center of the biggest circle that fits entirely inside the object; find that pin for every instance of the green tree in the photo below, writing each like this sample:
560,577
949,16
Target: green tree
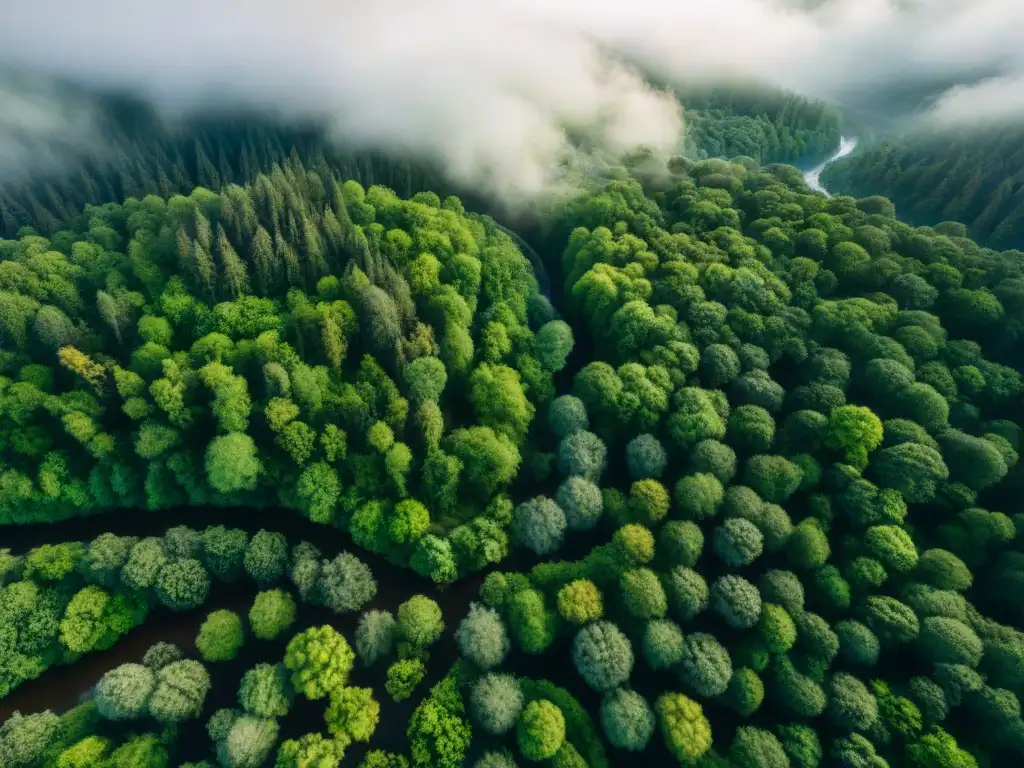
686,730
855,431
320,660
221,636
540,730
123,692
627,719
266,691
272,612
495,702
353,713
403,676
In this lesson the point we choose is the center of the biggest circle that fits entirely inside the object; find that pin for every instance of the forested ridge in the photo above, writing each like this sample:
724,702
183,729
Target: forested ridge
743,492
766,124
975,177
142,155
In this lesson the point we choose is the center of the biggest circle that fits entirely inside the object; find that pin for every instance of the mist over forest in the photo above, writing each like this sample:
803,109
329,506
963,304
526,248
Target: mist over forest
486,384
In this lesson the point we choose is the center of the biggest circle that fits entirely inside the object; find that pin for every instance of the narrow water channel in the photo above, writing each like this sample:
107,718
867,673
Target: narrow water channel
813,176
62,686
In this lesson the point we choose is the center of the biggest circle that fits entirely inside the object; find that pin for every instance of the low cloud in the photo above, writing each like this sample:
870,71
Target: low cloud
493,89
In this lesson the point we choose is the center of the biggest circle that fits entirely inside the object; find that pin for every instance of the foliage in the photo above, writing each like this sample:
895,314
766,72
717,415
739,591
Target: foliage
627,719
402,678
353,713
482,637
496,702
602,655
540,730
320,660
266,691
272,612
220,636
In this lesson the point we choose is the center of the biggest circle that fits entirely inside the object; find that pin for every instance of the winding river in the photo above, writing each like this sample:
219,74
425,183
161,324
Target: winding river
813,176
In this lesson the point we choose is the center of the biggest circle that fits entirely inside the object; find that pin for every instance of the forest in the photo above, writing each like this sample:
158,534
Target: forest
975,177
701,468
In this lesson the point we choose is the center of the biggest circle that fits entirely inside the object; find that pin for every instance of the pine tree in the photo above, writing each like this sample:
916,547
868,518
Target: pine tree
286,255
206,173
313,249
333,342
107,308
333,235
234,278
163,183
227,175
184,244
204,234
201,268
267,267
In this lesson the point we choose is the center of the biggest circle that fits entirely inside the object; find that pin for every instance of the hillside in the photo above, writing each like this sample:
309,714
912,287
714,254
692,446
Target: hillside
973,177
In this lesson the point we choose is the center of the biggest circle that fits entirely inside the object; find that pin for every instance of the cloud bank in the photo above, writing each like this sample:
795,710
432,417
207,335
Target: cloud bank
492,89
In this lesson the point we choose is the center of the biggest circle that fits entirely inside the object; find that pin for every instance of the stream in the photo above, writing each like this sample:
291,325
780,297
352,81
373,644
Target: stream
813,176
62,687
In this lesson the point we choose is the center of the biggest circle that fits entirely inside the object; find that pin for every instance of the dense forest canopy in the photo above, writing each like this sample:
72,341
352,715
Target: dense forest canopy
739,487
975,177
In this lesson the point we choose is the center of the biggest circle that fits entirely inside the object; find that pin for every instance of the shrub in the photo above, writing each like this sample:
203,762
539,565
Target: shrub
182,585
851,705
756,748
532,624
180,691
738,542
698,496
687,593
857,643
539,525
635,543
581,503
645,457
313,750
776,628
736,600
160,655
745,692
705,667
266,557
642,594
248,742
346,584
680,542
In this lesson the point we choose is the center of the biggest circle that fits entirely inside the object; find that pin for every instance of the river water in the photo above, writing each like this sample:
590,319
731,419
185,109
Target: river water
813,176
